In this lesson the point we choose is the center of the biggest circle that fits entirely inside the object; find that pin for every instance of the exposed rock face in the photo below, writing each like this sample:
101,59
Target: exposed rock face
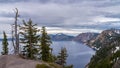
85,37
103,38
61,37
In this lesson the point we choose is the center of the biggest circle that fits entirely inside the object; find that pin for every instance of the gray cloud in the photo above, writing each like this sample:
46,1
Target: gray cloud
76,14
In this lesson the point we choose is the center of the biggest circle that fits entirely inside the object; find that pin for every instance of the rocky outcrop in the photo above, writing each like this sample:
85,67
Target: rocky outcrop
85,37
103,38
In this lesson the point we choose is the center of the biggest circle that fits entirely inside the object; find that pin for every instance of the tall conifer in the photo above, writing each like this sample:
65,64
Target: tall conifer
62,57
29,38
46,54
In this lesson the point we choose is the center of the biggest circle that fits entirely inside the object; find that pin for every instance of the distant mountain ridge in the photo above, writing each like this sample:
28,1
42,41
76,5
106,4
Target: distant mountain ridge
84,37
107,46
103,38
61,37
91,39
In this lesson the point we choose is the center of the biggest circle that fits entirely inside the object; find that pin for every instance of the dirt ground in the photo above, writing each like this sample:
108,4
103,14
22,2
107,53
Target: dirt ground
12,61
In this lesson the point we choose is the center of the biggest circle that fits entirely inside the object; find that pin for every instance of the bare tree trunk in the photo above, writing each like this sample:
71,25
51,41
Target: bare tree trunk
13,38
16,34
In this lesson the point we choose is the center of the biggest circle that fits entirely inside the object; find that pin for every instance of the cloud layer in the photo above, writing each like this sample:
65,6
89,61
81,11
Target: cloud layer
88,15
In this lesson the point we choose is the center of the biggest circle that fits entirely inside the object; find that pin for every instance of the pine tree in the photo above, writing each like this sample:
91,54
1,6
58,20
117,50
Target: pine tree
29,39
106,56
101,58
46,54
62,57
5,44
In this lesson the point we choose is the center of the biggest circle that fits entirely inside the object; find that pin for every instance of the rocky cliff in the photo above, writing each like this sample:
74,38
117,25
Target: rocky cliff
103,38
85,37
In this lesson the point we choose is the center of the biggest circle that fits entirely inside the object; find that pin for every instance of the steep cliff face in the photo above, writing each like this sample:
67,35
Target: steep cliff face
108,50
85,37
103,38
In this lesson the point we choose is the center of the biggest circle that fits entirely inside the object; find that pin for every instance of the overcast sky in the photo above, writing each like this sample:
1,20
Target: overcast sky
64,16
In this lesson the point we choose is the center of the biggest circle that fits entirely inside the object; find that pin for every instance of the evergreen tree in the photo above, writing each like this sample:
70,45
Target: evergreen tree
62,57
46,51
106,56
5,44
30,39
102,58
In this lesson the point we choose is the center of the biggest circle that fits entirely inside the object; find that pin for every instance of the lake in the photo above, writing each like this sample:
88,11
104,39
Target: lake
78,54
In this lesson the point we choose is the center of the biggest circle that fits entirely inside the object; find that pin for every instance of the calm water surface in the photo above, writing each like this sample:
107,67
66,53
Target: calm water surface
78,54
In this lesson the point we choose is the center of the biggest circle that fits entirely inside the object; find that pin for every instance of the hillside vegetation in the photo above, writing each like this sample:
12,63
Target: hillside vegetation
107,46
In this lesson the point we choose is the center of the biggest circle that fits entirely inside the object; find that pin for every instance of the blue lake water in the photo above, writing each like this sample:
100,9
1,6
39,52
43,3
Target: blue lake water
78,54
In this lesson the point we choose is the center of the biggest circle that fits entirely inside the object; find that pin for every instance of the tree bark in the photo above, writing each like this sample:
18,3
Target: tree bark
16,34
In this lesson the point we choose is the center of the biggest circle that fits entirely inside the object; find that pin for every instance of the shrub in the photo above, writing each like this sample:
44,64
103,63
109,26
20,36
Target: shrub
53,65
42,66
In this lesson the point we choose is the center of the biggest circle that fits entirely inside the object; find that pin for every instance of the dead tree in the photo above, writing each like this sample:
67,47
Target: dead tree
16,33
13,43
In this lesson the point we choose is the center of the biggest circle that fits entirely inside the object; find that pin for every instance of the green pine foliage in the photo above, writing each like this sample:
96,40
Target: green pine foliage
62,57
5,44
46,51
106,56
101,59
48,65
29,38
70,66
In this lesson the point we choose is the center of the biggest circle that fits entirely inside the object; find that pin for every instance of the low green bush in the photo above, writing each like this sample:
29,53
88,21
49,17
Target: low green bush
42,66
53,65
